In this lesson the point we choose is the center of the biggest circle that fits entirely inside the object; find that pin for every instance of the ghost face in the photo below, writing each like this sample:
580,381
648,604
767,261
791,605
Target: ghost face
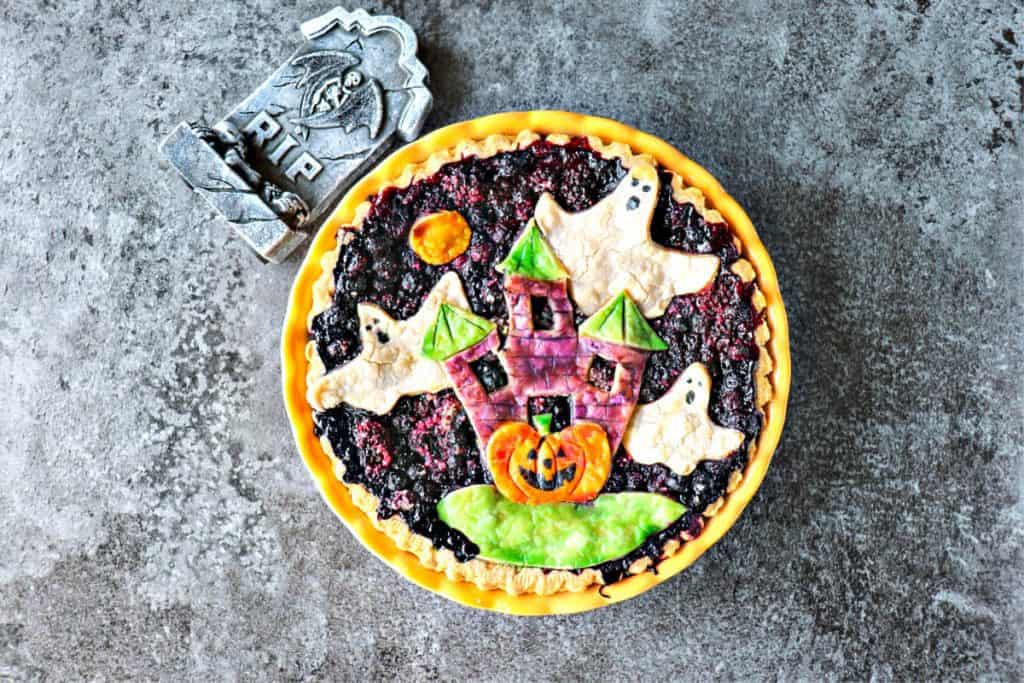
376,331
637,195
696,382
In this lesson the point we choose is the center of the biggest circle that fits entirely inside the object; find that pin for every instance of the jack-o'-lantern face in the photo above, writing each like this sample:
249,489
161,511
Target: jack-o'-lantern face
549,470
535,467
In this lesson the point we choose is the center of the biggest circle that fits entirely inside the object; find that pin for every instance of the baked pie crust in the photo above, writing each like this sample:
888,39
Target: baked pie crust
478,582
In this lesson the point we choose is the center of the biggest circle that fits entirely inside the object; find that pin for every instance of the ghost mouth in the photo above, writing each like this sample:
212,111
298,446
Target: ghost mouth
552,483
632,203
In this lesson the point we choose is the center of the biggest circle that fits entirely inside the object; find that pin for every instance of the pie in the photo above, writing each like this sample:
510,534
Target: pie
538,363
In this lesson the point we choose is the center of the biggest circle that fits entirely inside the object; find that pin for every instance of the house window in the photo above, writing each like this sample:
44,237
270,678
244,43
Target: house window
559,407
489,372
601,373
543,316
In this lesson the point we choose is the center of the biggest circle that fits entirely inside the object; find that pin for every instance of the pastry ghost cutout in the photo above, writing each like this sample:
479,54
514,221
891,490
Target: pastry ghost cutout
676,430
608,248
390,364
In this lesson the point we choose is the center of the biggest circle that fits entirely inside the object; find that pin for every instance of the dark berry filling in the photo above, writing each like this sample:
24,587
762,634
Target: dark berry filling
426,448
601,373
540,311
558,407
410,459
489,371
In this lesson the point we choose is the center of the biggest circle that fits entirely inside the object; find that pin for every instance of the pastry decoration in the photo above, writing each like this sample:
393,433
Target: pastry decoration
440,238
620,322
454,330
608,248
535,466
531,257
556,534
553,361
676,430
391,364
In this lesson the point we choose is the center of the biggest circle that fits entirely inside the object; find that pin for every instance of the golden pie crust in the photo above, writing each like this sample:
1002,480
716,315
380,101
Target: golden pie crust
528,590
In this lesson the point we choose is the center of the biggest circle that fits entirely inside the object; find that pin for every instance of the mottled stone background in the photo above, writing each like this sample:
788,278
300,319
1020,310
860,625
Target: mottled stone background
156,521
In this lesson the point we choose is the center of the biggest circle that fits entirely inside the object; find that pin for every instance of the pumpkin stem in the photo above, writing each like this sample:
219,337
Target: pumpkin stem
543,423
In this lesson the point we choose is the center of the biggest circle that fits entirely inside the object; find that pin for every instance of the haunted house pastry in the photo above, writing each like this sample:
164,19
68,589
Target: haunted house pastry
538,364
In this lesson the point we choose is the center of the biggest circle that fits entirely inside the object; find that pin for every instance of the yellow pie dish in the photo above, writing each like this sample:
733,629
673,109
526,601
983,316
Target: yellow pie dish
300,363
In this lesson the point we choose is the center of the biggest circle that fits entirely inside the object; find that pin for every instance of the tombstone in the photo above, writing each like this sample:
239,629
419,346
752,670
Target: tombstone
280,160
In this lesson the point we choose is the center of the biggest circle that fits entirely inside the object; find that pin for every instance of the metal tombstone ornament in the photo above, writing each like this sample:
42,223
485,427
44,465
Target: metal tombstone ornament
281,158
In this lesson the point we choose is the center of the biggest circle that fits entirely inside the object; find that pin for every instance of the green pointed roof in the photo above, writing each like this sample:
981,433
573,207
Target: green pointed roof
620,322
532,257
453,330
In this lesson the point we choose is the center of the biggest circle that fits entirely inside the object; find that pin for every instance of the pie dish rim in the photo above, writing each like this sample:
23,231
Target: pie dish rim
295,363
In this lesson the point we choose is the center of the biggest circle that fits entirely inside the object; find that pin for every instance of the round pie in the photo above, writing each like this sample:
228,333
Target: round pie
537,361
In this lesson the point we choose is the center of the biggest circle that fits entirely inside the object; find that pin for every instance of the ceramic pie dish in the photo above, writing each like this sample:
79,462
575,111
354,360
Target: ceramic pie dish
537,362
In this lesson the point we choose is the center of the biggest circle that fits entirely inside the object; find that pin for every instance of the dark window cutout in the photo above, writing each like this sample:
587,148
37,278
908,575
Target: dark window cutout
489,371
559,407
601,373
543,316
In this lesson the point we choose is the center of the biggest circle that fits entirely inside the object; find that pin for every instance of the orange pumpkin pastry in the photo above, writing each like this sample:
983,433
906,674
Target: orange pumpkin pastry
540,467
538,365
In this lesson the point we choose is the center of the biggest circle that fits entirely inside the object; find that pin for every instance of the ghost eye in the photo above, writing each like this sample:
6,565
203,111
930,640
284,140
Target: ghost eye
647,188
636,181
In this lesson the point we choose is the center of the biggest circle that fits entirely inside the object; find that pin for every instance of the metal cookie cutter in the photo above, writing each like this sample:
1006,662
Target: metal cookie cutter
281,159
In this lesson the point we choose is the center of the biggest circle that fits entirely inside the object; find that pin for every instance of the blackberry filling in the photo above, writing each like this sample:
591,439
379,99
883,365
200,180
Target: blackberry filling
410,459
601,373
490,373
426,448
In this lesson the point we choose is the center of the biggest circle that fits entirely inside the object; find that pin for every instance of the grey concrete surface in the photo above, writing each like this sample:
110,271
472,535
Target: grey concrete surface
157,523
